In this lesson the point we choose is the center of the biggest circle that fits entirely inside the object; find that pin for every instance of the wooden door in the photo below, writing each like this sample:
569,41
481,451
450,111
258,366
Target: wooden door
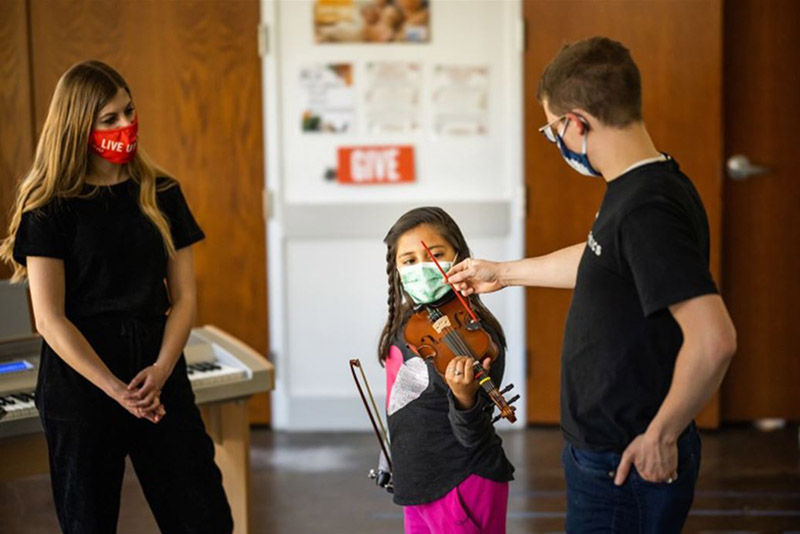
16,111
195,73
677,45
761,260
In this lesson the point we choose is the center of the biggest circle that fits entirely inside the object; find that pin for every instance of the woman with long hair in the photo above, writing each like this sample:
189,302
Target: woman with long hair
104,238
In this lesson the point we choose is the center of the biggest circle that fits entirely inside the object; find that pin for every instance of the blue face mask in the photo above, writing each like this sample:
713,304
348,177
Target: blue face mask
579,162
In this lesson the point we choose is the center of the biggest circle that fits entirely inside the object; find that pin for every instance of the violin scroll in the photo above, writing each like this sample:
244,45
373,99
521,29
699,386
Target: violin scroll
496,396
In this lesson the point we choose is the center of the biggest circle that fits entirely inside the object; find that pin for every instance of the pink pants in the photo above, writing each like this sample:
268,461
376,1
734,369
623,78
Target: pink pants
476,506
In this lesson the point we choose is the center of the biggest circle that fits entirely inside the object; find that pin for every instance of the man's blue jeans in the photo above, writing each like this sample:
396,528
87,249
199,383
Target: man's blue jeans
596,505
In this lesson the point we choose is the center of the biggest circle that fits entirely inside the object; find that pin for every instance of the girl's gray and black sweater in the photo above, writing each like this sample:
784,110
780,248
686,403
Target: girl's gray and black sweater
434,445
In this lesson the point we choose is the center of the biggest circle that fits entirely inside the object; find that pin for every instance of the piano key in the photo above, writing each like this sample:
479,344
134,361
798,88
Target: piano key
18,409
216,374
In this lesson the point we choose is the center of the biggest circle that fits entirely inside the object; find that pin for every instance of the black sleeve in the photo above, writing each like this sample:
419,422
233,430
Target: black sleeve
183,227
474,426
40,233
667,258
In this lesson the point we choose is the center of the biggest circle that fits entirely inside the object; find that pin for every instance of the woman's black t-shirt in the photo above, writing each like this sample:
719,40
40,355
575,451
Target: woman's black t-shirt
114,256
115,268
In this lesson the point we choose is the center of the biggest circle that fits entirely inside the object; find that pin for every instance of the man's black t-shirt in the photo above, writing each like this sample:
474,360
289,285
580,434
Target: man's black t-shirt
648,249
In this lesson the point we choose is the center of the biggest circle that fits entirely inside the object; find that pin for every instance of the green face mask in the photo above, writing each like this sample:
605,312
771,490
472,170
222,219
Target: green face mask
423,282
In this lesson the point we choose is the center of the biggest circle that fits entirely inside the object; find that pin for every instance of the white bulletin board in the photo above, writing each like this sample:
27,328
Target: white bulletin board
459,106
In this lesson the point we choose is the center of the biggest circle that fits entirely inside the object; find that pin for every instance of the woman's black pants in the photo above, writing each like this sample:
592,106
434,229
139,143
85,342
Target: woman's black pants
173,459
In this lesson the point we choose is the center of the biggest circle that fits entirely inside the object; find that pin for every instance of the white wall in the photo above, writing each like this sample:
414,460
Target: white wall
327,281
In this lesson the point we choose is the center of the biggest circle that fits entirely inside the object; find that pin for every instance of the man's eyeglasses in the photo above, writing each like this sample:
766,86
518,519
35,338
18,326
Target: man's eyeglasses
547,129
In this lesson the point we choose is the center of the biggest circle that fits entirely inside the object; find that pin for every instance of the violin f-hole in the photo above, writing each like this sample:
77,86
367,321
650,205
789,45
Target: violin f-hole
426,351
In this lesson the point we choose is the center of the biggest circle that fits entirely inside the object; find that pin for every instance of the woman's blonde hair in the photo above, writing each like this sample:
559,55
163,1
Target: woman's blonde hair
62,160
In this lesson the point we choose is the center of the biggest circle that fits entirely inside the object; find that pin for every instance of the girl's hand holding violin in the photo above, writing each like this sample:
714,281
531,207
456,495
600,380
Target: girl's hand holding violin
461,379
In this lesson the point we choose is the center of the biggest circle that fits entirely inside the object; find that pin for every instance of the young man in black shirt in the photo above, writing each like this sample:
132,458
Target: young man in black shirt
648,338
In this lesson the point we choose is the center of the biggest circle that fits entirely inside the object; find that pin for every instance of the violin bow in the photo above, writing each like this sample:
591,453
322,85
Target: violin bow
446,279
382,435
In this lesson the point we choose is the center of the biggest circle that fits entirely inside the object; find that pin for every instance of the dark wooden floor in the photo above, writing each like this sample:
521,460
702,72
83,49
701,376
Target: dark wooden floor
316,483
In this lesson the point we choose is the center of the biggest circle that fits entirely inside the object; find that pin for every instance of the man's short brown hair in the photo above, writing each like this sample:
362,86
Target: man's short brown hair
597,75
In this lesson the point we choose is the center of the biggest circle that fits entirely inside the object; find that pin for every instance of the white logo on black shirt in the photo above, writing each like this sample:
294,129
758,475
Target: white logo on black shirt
594,245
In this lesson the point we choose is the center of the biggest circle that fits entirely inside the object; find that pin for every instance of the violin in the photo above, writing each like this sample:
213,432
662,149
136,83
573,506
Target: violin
442,330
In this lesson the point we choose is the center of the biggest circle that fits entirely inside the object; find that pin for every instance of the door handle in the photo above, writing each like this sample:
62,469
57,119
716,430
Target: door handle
740,168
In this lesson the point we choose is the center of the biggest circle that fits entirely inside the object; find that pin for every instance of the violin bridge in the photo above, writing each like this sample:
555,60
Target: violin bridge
441,323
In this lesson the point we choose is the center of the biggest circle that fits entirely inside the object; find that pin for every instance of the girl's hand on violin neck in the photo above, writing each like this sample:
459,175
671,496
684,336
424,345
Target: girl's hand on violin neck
460,377
475,276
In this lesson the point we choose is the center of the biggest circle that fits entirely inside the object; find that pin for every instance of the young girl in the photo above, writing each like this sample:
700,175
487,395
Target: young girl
449,469
104,240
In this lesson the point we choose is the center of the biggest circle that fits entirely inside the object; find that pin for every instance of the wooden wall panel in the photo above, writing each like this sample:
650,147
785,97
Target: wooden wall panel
195,74
16,120
677,46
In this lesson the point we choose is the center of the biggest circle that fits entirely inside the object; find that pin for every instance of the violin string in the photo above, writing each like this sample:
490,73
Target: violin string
454,347
454,341
458,346
464,346
457,343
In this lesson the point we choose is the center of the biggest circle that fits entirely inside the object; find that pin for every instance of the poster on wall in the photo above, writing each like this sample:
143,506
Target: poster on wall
392,97
461,100
374,165
372,21
328,98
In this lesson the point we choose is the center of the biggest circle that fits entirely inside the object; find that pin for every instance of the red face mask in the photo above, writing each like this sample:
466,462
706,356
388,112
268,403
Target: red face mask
118,145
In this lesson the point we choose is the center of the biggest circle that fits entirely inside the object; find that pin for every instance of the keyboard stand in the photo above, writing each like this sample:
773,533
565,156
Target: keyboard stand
29,453
228,424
